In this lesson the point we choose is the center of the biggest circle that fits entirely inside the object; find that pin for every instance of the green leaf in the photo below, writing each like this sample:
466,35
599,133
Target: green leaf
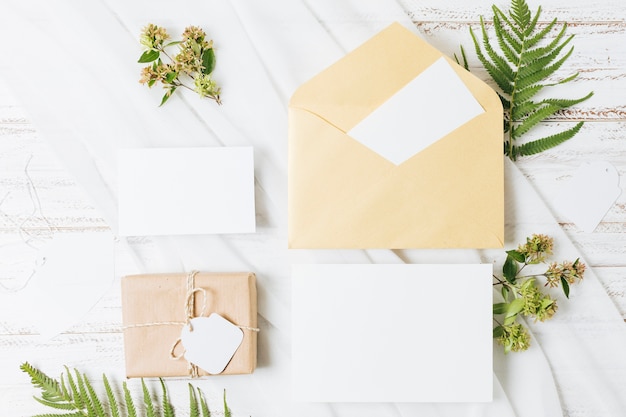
203,405
505,292
515,307
226,409
546,143
76,398
167,95
509,269
516,255
113,405
148,56
498,331
172,43
509,320
56,404
208,61
193,402
170,76
97,404
128,399
534,119
147,399
84,396
565,287
166,407
500,308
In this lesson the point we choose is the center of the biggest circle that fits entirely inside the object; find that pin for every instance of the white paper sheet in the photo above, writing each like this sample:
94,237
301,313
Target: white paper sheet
433,104
77,269
391,333
186,191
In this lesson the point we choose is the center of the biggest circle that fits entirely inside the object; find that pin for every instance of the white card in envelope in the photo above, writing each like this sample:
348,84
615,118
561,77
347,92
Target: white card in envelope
392,333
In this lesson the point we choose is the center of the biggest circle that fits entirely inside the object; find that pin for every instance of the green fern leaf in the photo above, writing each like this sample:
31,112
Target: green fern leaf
131,411
533,119
520,13
542,62
55,404
84,395
168,411
520,111
494,72
510,46
76,398
97,404
535,39
498,61
546,143
226,409
193,402
203,405
147,399
50,388
521,70
76,414
521,96
113,406
530,27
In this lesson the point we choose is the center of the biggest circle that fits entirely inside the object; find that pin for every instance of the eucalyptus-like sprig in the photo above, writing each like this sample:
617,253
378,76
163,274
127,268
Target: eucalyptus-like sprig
193,64
523,294
72,395
520,65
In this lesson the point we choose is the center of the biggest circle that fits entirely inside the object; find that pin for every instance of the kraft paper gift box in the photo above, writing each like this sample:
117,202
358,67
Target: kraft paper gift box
342,194
153,312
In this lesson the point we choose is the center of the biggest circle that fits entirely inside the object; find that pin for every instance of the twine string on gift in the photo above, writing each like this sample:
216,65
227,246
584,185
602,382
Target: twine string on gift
189,314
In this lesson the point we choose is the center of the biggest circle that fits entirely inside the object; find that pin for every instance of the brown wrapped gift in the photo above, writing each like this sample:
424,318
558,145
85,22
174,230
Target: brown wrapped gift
154,312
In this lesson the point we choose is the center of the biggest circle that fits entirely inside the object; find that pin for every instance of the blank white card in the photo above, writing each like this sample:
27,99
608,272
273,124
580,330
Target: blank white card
392,333
186,191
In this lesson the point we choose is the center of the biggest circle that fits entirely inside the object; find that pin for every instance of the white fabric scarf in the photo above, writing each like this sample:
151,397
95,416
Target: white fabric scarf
73,67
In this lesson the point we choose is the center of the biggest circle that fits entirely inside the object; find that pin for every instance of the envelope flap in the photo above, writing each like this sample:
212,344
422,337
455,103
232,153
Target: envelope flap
354,86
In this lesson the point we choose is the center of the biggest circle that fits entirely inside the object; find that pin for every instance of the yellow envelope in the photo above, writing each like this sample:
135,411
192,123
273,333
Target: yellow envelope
344,195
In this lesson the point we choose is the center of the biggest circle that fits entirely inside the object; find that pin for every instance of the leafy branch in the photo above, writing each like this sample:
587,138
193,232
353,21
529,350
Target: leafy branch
194,62
522,294
73,395
520,68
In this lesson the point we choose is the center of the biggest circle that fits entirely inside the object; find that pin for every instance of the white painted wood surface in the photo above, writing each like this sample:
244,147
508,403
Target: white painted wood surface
60,205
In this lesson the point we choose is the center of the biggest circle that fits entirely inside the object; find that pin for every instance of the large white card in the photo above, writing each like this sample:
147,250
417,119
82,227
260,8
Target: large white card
186,191
432,105
392,333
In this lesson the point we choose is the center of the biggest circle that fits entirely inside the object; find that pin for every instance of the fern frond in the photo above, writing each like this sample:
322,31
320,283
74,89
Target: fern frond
203,405
546,143
510,46
226,409
465,62
56,404
167,409
533,23
76,398
131,411
520,13
534,66
50,388
543,73
521,69
193,402
527,93
498,77
536,38
533,119
84,396
533,54
97,404
147,399
113,406
76,414
499,62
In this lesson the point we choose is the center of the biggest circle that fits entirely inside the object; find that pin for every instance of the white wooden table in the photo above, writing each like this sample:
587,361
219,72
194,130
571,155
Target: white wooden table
38,197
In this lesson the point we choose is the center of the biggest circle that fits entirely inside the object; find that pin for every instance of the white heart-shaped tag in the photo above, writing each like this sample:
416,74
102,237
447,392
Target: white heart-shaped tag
212,343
